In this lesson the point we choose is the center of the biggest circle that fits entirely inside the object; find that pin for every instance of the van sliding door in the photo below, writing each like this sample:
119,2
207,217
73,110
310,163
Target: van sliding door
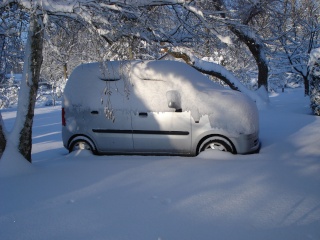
113,135
161,132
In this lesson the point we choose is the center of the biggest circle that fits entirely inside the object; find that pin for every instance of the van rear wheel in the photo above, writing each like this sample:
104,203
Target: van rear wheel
80,145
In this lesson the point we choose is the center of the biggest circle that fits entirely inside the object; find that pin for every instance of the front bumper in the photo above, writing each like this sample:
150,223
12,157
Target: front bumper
246,144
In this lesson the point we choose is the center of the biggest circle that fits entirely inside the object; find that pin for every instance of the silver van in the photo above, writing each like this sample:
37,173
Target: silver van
154,107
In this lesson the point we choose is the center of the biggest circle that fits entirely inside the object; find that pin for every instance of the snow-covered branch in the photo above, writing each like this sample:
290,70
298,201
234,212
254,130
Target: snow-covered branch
213,69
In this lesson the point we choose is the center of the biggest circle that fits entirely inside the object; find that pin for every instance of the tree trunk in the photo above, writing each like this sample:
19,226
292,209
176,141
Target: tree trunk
21,135
35,62
248,37
306,85
65,72
257,50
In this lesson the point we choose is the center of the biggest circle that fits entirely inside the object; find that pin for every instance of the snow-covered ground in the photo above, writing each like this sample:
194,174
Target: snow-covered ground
271,195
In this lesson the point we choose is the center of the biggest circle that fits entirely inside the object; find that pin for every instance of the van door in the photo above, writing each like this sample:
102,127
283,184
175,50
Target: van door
112,135
161,132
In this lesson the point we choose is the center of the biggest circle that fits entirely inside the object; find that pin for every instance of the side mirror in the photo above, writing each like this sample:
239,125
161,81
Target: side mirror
174,100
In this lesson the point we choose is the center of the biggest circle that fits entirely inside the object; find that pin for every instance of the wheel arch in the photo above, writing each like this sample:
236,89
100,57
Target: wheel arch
79,137
218,137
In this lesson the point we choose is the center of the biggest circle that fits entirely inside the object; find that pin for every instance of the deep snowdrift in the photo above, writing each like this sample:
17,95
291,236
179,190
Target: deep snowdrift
271,195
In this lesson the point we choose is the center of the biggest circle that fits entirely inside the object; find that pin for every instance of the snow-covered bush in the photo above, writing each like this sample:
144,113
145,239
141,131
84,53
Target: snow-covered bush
314,78
8,96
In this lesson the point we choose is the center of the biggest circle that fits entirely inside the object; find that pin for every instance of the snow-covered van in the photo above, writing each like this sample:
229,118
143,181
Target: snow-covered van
154,107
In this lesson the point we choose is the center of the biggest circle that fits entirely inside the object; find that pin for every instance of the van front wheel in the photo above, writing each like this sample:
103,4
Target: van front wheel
215,143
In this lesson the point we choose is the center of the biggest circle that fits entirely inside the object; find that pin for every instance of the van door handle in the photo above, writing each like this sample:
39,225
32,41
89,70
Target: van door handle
94,112
143,114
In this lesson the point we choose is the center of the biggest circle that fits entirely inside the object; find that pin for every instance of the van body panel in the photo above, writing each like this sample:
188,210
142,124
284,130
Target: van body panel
154,107
112,135
164,132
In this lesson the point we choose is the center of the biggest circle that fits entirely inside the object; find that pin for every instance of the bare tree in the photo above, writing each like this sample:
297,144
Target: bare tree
11,52
246,34
294,32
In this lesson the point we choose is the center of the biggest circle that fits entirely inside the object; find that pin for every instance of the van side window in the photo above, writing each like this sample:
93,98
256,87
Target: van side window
153,94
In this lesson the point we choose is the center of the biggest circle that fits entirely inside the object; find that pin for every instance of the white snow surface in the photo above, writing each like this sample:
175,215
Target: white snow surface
271,195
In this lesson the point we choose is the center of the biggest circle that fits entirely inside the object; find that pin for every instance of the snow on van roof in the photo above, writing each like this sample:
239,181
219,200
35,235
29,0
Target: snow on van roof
143,86
101,70
173,71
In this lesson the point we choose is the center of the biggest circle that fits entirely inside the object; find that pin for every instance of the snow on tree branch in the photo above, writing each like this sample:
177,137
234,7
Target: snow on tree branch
216,70
71,5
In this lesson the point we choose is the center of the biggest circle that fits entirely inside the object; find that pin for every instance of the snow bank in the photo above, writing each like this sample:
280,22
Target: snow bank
12,163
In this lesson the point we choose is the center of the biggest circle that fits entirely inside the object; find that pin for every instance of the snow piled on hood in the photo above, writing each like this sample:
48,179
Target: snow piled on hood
144,86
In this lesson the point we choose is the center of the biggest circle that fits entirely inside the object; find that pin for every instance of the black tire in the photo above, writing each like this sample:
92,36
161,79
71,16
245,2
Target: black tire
215,143
80,145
